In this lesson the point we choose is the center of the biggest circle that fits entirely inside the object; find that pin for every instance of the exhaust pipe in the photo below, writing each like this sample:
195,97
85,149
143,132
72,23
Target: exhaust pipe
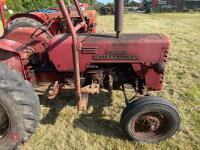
119,11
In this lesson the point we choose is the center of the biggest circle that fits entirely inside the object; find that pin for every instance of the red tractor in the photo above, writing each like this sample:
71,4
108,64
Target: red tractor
88,63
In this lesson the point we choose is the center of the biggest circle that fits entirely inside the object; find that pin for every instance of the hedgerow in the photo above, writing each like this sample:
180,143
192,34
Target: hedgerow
28,5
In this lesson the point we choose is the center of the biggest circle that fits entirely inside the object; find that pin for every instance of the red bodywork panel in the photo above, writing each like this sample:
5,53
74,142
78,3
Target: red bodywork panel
56,18
10,57
26,37
140,50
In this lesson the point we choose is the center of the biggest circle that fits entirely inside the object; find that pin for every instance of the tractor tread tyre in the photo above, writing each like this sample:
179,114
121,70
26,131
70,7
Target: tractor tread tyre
143,105
22,22
22,105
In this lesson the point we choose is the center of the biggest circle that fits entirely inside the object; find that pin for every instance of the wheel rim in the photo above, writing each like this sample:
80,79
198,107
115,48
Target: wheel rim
150,125
4,122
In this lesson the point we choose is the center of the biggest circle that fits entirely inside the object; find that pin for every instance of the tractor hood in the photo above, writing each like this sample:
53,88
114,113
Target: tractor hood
99,48
143,47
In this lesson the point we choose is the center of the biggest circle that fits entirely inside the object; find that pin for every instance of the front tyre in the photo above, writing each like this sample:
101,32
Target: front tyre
19,109
150,119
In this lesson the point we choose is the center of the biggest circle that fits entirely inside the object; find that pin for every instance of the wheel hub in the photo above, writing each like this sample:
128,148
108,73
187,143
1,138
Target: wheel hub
149,125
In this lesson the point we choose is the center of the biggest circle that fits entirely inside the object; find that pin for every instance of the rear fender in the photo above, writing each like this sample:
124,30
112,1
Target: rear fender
28,15
10,56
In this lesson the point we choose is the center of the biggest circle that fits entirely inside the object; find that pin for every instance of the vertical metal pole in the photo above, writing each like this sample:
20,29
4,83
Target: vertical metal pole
2,15
119,11
65,13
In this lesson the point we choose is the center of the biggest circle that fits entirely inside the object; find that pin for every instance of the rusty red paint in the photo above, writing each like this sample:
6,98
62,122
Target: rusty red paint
56,18
67,51
10,56
26,37
147,48
149,125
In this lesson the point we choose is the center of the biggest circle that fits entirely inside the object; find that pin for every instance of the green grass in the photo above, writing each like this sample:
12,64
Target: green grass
62,128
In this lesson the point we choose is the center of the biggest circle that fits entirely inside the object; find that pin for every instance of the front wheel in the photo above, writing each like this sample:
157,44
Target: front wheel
150,119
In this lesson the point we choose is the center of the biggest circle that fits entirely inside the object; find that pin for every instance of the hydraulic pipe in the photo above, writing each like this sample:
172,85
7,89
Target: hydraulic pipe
76,3
80,25
65,13
3,19
119,11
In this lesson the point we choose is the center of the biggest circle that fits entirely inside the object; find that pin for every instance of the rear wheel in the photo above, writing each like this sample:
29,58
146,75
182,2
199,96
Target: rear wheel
22,22
150,119
19,109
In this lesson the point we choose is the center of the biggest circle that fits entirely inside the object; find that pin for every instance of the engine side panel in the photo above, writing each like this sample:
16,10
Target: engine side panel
140,50
60,53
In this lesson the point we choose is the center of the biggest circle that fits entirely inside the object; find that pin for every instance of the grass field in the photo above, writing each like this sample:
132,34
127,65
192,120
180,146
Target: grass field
63,129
